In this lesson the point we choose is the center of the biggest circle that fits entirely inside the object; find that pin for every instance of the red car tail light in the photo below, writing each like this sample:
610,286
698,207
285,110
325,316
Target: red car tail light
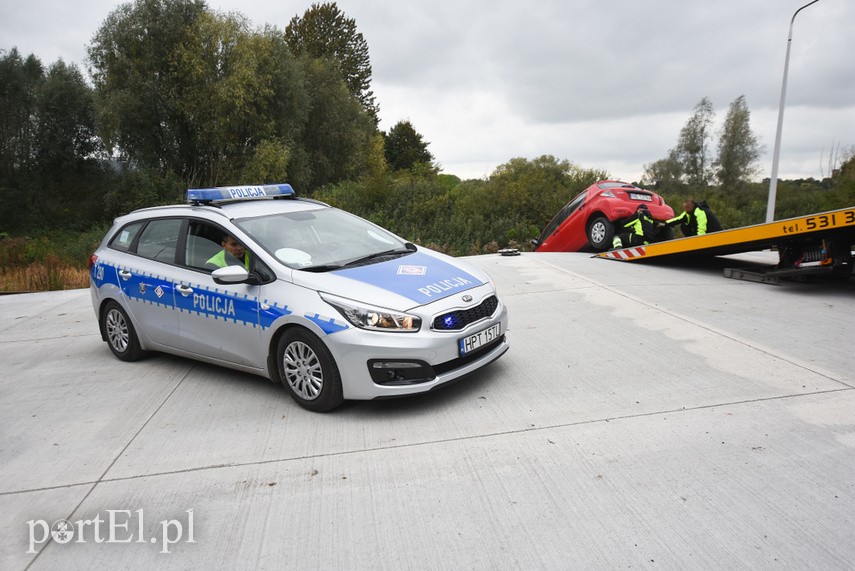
92,260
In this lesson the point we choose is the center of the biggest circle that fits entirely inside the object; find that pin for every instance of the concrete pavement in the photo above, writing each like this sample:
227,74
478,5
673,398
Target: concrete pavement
645,416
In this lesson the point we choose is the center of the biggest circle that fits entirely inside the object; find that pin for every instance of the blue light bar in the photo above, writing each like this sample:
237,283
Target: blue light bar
238,192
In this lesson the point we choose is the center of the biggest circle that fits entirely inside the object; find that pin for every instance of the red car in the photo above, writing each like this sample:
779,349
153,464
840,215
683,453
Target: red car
590,219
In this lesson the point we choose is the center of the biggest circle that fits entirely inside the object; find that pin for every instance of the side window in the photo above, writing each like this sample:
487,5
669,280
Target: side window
125,237
264,273
209,247
204,247
564,214
158,240
575,204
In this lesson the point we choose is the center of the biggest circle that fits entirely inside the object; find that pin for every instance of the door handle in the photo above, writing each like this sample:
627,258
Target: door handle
184,290
125,274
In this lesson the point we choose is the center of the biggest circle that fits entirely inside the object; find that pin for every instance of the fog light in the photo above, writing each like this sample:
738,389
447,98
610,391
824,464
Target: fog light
400,372
396,365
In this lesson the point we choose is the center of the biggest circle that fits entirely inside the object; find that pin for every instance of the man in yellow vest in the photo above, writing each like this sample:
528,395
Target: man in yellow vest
232,247
638,230
696,219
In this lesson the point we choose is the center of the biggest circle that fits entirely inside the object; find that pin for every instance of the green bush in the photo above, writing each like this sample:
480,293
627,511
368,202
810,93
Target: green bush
58,247
15,252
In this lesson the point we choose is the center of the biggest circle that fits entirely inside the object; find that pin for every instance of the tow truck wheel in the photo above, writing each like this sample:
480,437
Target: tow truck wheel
600,233
308,370
119,333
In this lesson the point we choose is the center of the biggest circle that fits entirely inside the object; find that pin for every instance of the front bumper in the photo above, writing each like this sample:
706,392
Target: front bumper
434,354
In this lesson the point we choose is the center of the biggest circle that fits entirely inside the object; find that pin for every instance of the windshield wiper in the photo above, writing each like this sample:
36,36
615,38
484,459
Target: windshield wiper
322,268
409,248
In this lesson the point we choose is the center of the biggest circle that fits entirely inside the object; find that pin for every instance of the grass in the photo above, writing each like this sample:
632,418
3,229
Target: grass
51,262
50,275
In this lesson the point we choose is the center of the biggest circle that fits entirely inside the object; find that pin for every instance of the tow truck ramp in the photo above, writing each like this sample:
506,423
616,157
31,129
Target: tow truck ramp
813,244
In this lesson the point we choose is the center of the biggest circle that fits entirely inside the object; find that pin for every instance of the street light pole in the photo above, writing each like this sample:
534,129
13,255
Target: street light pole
773,182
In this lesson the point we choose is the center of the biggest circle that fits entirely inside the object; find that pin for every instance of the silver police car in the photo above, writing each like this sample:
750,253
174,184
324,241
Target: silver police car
259,280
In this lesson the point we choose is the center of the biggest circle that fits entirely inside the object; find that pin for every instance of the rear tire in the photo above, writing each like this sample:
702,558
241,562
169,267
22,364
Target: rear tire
119,332
307,369
600,233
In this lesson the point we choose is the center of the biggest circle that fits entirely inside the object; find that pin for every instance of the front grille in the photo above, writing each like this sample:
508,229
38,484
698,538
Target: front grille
459,319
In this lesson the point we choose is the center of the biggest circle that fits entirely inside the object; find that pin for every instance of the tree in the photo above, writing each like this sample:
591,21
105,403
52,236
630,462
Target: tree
19,81
66,151
521,196
195,93
405,147
65,129
738,149
843,180
47,143
245,99
692,149
135,70
664,172
846,171
325,32
338,137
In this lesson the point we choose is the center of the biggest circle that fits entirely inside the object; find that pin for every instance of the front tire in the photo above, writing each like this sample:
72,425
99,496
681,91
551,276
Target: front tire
600,233
119,332
308,370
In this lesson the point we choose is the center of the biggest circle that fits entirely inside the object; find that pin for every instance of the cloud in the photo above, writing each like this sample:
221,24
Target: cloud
603,84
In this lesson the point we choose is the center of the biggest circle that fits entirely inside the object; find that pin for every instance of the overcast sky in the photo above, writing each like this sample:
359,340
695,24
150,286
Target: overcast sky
605,84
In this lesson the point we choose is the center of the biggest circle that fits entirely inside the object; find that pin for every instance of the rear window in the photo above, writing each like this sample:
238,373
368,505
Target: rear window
605,185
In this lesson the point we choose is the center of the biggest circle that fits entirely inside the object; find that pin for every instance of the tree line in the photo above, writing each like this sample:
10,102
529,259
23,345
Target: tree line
722,172
181,96
692,161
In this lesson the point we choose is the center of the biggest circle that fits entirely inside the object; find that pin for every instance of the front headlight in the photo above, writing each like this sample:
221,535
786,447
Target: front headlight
374,318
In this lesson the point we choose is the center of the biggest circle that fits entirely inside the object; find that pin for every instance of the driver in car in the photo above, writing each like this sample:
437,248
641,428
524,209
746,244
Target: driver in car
232,247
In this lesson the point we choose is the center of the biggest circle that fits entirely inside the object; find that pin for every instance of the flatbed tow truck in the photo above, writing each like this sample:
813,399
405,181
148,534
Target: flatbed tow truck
807,245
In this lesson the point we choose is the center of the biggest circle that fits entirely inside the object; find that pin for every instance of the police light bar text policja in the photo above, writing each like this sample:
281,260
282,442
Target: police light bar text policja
196,195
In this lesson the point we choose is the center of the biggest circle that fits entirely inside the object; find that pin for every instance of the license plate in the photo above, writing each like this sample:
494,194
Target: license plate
476,340
644,197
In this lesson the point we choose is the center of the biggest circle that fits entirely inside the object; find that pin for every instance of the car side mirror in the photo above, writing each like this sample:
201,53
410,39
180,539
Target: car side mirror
230,275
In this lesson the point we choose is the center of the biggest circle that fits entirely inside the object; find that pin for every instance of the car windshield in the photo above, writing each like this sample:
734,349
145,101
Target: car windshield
322,239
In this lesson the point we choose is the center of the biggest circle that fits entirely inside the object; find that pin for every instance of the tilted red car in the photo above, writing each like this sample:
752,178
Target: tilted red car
591,219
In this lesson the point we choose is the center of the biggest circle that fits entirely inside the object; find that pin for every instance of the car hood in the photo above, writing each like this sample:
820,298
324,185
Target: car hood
401,283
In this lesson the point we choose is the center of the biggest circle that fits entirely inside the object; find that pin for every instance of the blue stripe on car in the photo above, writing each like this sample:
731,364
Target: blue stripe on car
327,325
214,303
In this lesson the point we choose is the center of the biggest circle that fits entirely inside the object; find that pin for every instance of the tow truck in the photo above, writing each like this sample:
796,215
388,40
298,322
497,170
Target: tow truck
806,245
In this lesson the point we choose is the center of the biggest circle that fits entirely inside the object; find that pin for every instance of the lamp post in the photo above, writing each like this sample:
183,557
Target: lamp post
773,183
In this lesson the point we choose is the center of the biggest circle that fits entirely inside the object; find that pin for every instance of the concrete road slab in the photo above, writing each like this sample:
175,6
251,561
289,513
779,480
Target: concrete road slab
66,405
644,416
34,510
807,321
764,488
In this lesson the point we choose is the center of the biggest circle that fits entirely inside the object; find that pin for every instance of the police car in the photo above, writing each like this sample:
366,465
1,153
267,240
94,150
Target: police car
259,280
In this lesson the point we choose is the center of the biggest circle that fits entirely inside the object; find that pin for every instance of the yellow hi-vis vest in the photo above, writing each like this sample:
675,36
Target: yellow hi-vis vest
219,259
